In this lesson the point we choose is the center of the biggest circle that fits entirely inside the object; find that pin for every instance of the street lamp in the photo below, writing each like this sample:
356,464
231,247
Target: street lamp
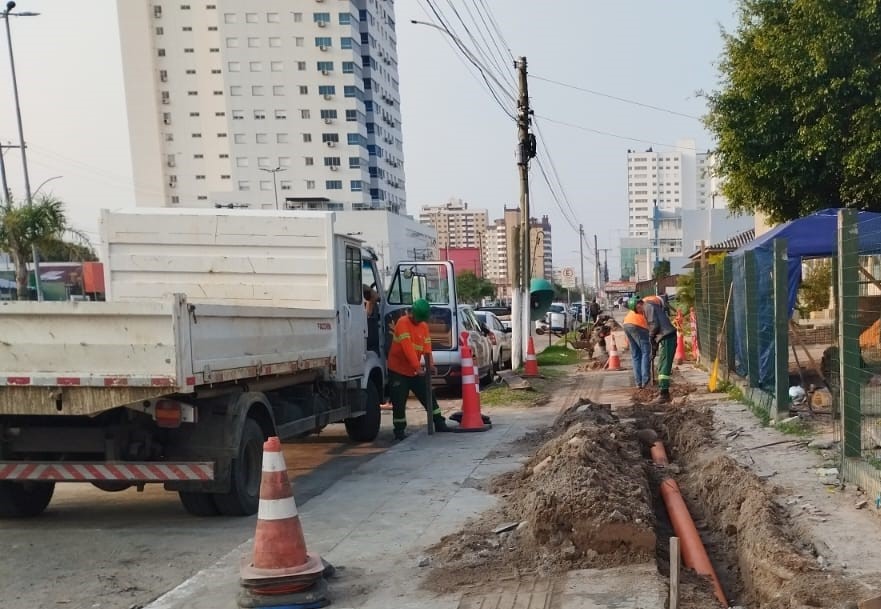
24,156
44,182
274,180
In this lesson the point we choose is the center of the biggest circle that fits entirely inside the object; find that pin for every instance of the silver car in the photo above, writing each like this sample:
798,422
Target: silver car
499,337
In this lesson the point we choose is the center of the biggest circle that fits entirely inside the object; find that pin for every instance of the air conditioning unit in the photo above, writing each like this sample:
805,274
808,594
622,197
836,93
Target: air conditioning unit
328,96
328,121
331,144
322,48
322,23
325,72
334,168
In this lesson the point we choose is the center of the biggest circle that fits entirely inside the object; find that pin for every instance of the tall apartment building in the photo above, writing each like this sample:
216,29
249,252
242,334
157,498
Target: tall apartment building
456,225
263,103
540,244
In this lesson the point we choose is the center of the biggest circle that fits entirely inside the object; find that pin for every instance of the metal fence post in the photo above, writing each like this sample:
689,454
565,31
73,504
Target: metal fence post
752,319
699,307
727,280
849,331
780,408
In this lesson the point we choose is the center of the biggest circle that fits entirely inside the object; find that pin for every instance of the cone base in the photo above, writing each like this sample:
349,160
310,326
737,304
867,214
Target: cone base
315,596
470,429
312,570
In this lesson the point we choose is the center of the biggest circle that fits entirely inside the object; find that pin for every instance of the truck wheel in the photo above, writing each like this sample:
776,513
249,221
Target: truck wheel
198,504
246,470
366,427
24,499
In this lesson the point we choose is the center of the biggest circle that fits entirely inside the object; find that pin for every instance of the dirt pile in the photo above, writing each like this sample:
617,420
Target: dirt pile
583,500
752,538
677,390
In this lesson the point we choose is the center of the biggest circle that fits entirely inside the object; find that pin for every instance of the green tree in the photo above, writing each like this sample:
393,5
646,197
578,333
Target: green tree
471,288
796,117
813,295
39,223
685,291
661,270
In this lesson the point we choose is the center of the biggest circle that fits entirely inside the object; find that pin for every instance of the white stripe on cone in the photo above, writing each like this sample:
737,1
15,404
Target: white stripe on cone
468,379
277,509
467,361
273,462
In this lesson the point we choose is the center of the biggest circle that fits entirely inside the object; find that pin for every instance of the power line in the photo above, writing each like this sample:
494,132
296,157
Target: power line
488,12
485,53
503,59
610,134
615,97
553,165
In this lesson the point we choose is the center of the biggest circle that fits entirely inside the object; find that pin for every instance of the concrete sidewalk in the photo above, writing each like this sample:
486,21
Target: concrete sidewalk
376,523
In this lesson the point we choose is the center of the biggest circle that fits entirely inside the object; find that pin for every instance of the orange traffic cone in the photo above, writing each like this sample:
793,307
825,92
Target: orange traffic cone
530,367
470,419
679,357
614,362
280,563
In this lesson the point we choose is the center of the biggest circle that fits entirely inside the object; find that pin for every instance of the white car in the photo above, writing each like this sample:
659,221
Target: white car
557,319
499,337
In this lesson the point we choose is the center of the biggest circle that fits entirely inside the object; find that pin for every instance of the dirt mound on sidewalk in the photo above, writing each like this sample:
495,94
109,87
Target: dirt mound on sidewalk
582,501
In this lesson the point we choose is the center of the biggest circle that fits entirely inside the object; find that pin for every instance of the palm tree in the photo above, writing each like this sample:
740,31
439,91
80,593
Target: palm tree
41,222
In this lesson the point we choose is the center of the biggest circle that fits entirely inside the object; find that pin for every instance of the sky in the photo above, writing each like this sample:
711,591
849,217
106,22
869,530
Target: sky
458,141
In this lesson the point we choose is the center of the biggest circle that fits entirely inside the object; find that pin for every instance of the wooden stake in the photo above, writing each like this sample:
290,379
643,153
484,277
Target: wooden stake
674,573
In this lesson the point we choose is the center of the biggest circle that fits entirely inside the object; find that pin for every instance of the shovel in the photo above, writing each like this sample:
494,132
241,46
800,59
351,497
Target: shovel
712,385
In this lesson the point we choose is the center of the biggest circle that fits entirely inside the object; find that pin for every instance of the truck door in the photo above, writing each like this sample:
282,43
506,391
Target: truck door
352,317
435,282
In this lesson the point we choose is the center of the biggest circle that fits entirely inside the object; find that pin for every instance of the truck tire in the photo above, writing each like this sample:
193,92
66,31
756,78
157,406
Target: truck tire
198,504
24,499
366,427
246,470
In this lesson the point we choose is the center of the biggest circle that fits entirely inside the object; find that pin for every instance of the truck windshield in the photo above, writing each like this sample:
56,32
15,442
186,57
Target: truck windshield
420,281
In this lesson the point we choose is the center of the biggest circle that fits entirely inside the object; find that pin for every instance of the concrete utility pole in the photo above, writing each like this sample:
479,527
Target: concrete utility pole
3,183
581,251
596,253
525,151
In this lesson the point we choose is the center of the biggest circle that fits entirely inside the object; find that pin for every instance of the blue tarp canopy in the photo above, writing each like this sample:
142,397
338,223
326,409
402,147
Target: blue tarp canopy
814,236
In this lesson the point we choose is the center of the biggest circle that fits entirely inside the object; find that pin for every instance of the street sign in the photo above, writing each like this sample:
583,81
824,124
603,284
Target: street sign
567,277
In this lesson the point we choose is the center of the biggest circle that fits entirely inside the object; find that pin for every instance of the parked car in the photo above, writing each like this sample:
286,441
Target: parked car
499,337
557,319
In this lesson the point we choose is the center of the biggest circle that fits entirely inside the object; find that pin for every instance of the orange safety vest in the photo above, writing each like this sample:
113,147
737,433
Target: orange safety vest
411,340
655,299
635,319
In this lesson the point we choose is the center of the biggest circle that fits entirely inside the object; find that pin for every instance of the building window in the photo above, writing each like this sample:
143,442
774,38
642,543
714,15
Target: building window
197,135
241,161
331,161
345,18
346,43
330,137
351,115
255,66
285,184
328,114
244,185
235,90
307,137
305,114
304,90
281,114
212,28
309,161
160,31
333,184
157,12
319,17
192,92
230,18
310,184
175,199
278,90
194,114
188,50
169,137
253,42
325,67
298,17
187,28
257,90
348,67
238,115
301,66
250,17
232,43
356,185
214,50
273,18
200,177
263,161
160,52
351,91
354,162
323,42
262,138
299,41
281,138
326,90
221,135
238,138
234,66
276,66
184,7
274,42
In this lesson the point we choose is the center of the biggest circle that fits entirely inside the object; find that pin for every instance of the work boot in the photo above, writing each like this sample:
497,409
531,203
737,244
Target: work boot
440,424
400,434
663,398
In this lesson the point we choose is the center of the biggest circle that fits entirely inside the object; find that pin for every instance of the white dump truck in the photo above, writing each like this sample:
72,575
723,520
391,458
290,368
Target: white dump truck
221,328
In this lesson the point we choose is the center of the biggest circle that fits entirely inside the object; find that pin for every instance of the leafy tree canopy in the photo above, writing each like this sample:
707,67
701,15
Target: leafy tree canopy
798,115
471,288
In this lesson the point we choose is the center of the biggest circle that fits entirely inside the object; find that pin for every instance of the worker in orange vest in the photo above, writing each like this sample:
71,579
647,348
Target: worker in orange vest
637,330
663,333
411,344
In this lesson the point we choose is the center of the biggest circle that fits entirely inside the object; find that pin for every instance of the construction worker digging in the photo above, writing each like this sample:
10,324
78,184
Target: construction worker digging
637,330
411,344
663,333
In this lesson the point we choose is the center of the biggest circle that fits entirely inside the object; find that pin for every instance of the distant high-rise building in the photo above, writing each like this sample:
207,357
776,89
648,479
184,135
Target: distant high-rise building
456,225
251,103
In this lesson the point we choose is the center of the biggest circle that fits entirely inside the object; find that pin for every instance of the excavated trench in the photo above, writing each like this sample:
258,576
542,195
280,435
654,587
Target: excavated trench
588,496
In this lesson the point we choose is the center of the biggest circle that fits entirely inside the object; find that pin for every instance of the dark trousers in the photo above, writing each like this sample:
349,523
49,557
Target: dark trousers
666,351
400,387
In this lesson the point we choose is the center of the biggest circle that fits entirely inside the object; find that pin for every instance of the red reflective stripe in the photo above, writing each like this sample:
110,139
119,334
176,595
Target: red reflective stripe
67,381
18,380
178,472
115,381
28,470
119,472
161,381
5,470
201,472
191,380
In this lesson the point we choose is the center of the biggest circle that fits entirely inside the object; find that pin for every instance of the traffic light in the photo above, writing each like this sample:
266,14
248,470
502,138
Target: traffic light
541,294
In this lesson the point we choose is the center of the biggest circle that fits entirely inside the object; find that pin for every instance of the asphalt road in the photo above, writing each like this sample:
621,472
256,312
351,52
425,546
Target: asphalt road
93,549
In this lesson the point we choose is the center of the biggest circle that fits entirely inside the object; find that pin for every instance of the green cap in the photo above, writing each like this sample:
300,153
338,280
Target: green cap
632,302
421,309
